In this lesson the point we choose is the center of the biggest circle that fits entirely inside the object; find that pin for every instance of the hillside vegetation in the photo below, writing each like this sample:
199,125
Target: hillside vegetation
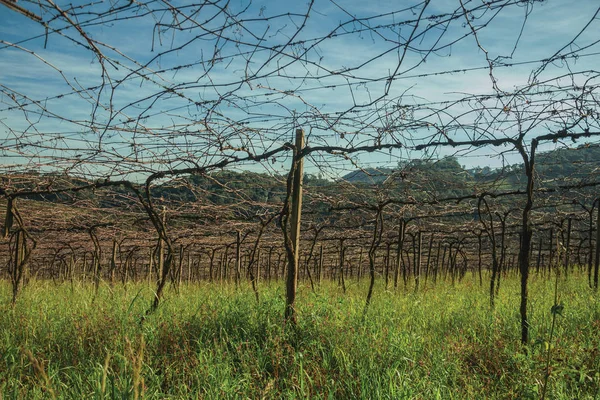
416,179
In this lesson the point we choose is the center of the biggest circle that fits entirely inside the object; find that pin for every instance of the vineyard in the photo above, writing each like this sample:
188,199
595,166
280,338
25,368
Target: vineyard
227,200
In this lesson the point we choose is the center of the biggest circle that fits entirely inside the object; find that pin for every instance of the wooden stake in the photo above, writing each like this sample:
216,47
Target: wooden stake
292,276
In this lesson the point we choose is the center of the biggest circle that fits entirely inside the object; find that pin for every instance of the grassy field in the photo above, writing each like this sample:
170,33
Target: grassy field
216,342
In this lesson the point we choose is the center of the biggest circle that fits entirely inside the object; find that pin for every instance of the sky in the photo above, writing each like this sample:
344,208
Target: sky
120,89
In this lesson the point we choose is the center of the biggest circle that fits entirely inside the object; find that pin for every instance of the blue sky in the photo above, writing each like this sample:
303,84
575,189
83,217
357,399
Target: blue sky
170,98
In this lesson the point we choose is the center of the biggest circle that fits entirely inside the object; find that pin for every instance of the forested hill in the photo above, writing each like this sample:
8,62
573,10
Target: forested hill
553,167
417,179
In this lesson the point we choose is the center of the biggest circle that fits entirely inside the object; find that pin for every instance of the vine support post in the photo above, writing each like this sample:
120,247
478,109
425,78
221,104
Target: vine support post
399,252
427,264
551,250
269,264
417,262
568,247
539,256
113,261
387,265
341,281
320,266
597,259
238,258
180,267
150,266
161,249
292,273
479,258
189,267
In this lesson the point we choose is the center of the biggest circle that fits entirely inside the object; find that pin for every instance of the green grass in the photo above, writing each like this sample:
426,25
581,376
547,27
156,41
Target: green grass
216,342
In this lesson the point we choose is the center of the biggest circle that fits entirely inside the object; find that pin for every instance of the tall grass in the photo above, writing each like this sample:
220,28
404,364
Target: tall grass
216,342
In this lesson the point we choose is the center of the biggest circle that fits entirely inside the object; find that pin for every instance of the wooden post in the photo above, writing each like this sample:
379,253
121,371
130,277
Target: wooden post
150,265
568,247
161,259
180,267
387,265
320,274
258,266
161,249
417,265
399,252
199,274
359,266
126,268
84,266
221,267
444,269
502,264
211,264
113,261
189,267
135,269
269,264
292,276
479,250
428,259
551,251
437,261
73,266
341,265
597,260
238,258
